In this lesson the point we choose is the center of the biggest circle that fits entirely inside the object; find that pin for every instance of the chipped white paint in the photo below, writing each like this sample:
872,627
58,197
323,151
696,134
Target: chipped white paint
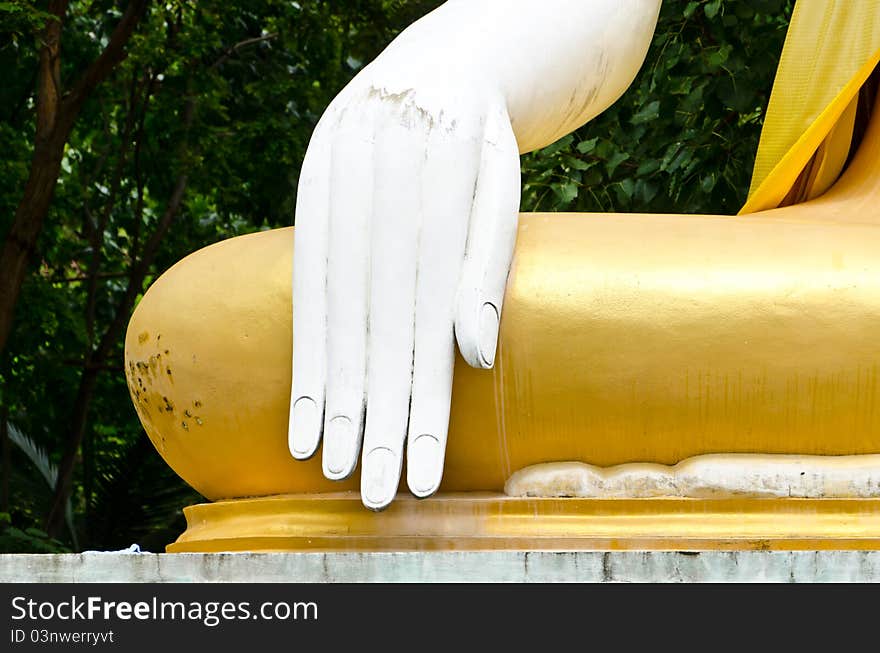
448,567
407,210
709,476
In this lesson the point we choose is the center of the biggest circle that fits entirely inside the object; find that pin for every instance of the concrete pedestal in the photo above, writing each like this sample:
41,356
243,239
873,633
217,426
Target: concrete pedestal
472,566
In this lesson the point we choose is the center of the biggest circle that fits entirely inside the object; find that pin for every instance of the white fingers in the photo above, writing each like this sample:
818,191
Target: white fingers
309,298
447,194
490,242
351,205
400,152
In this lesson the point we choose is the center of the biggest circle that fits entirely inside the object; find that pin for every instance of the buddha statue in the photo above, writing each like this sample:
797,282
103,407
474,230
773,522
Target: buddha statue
655,380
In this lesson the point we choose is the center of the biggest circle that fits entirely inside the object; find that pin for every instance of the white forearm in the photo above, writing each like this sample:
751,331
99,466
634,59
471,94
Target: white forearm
557,63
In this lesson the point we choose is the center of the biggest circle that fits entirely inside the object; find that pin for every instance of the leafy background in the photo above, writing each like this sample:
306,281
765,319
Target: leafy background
224,96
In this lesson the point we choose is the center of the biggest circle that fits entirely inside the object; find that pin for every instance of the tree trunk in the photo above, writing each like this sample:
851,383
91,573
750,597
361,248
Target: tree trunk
51,135
22,238
56,114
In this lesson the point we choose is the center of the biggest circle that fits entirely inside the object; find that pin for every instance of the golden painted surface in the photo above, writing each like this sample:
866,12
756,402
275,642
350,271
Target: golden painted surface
489,522
625,338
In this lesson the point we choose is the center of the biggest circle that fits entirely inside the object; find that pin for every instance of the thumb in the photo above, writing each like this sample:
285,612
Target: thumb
490,242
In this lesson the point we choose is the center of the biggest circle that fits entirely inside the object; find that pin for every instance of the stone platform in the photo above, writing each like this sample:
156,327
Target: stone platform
421,567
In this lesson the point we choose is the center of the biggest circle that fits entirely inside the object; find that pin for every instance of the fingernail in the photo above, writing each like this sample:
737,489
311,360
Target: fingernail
339,447
305,427
488,333
424,465
380,477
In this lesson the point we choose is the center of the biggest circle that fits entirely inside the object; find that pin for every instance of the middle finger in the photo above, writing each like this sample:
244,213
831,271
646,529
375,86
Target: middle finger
400,153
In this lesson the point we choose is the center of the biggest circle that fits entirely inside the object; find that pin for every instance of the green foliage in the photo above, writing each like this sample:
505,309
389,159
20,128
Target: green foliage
29,540
254,78
20,19
40,460
683,138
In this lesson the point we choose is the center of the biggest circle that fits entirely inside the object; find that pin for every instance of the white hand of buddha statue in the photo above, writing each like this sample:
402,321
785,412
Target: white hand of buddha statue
407,212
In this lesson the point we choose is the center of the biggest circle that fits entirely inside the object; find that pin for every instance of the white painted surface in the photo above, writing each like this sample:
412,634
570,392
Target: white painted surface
440,567
709,476
407,210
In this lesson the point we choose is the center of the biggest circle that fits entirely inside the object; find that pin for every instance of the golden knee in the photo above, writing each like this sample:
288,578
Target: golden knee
625,338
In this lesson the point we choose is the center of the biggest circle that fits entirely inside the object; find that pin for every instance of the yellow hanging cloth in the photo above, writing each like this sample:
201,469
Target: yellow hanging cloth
830,51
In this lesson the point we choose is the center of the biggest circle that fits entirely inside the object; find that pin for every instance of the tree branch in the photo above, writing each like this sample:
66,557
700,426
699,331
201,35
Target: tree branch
113,53
49,76
97,237
238,46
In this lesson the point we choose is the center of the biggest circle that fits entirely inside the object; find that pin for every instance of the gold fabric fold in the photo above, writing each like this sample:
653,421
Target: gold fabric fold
831,49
